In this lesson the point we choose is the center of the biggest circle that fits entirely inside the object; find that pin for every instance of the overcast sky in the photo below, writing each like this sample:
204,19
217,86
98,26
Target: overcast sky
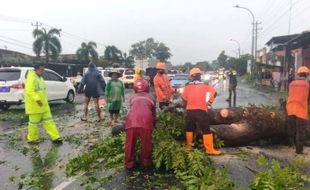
194,30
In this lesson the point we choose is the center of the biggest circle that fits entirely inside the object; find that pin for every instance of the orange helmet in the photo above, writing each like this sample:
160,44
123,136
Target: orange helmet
194,71
303,69
160,66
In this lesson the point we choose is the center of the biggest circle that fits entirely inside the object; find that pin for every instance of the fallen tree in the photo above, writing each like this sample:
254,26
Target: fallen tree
239,126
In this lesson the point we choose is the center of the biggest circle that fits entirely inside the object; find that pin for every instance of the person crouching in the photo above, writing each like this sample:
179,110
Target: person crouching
140,122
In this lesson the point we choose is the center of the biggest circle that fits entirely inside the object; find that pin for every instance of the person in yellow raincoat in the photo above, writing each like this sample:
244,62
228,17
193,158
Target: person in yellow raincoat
37,107
138,74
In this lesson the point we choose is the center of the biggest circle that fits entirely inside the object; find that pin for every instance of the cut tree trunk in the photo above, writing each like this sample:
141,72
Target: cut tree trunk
243,125
241,134
226,115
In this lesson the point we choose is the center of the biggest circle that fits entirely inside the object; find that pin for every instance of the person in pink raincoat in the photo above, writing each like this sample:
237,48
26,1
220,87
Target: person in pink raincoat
140,122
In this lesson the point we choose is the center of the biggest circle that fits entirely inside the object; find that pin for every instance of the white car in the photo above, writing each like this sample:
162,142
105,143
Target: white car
128,77
12,84
105,75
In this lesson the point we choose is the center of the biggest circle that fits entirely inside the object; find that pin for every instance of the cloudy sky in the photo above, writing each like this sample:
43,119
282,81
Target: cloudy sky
195,30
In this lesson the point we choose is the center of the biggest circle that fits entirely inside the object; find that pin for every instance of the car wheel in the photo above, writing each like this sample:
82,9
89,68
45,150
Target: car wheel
70,97
4,107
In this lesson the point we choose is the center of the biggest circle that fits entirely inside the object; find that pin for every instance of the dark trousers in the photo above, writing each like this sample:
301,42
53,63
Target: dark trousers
132,136
163,104
232,90
296,131
198,118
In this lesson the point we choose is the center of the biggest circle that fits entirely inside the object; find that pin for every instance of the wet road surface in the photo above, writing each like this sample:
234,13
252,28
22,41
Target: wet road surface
21,164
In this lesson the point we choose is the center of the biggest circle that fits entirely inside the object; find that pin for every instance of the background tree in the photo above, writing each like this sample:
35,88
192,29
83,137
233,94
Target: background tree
204,65
87,52
187,67
222,60
149,49
239,64
138,51
47,42
162,52
113,55
128,61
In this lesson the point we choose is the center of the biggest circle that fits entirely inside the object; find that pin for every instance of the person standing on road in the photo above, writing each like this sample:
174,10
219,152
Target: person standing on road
297,109
197,100
138,74
94,88
115,93
139,124
232,74
163,88
37,107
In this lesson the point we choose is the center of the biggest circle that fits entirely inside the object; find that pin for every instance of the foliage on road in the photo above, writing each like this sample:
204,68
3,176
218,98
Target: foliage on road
194,169
109,151
277,177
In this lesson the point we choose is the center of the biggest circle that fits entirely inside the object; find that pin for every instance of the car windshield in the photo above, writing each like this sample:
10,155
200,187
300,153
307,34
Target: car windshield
129,72
180,77
9,75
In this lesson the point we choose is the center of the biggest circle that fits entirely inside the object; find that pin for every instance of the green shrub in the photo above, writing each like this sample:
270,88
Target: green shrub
278,178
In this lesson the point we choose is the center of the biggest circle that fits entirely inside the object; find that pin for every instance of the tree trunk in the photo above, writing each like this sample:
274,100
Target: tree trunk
244,125
243,133
226,115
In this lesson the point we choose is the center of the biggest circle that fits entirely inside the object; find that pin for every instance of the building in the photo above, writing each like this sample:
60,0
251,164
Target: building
8,58
275,49
261,56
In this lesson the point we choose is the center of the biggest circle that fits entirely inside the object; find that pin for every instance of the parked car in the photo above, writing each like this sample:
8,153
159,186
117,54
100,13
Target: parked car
178,82
105,75
128,77
12,84
171,73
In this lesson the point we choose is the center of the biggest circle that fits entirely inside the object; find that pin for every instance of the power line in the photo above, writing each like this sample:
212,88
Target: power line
15,44
280,17
12,39
13,19
38,23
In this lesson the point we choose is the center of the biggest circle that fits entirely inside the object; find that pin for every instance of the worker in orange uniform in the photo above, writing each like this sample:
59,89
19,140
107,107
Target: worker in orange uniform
196,98
163,88
297,109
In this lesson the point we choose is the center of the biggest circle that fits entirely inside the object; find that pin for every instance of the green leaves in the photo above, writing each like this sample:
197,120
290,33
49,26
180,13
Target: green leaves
194,169
110,150
277,177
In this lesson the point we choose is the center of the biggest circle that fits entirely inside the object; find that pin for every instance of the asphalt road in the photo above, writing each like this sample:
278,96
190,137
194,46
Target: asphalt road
18,160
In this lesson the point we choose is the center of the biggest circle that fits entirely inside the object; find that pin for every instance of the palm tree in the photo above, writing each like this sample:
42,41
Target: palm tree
87,52
47,42
128,61
113,54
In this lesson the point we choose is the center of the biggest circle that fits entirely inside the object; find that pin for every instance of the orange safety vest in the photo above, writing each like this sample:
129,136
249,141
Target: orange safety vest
163,88
196,95
297,102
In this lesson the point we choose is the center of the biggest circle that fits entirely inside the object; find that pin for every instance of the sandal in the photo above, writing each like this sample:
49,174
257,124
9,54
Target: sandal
83,119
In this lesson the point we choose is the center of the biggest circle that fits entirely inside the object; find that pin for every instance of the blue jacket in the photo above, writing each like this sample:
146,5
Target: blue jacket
93,82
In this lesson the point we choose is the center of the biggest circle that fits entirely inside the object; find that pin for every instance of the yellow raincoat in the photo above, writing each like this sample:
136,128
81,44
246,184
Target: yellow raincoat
35,90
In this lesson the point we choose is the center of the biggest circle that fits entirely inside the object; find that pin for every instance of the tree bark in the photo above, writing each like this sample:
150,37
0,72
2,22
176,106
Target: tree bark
243,133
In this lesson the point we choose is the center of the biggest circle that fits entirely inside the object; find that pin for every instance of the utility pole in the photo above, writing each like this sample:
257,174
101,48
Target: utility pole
36,24
253,41
255,69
